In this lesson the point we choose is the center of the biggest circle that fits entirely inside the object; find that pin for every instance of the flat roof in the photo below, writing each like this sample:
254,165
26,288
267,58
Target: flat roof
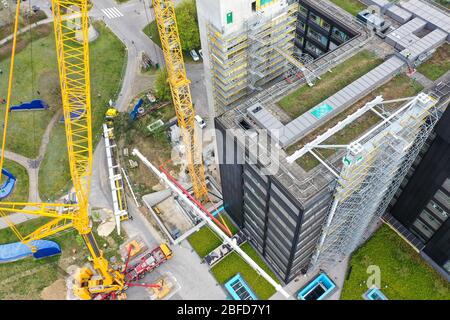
430,13
261,113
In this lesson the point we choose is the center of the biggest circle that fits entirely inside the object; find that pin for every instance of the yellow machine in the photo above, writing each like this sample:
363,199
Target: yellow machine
111,113
181,94
71,17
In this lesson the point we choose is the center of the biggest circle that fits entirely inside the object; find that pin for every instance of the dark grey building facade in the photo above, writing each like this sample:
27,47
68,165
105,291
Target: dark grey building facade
421,208
283,229
319,32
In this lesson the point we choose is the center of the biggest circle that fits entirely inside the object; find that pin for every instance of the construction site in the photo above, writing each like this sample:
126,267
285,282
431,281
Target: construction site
294,147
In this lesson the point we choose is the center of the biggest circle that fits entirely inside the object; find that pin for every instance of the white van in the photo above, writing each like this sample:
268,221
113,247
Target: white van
200,121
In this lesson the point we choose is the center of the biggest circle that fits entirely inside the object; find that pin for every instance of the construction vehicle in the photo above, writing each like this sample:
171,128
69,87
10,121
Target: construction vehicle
111,113
148,262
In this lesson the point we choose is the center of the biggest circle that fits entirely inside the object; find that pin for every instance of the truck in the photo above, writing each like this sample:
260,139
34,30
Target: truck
148,262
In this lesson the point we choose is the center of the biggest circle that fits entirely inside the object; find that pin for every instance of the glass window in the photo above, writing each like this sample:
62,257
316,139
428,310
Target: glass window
441,213
265,2
447,266
430,220
340,35
313,49
442,198
423,229
314,34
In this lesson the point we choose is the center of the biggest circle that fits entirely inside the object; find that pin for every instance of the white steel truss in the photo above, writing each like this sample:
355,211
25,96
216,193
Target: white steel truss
373,168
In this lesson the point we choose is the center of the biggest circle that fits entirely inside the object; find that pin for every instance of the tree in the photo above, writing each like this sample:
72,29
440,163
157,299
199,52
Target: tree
162,88
186,13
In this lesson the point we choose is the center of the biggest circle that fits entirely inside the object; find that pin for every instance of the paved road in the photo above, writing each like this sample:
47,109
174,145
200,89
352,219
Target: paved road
127,21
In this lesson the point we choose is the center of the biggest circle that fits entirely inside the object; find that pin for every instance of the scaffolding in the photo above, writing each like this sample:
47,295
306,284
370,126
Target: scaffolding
372,170
240,64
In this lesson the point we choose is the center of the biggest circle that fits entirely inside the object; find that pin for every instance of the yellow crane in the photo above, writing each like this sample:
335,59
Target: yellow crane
181,93
70,24
71,21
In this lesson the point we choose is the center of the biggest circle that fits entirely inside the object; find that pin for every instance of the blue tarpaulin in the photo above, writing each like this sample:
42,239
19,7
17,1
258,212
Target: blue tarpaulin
33,105
134,113
15,251
74,115
7,187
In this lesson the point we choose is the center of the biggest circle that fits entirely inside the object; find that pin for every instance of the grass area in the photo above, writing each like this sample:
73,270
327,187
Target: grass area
445,3
205,240
399,87
151,30
108,58
233,263
404,274
305,98
352,6
8,28
438,64
33,73
25,279
20,192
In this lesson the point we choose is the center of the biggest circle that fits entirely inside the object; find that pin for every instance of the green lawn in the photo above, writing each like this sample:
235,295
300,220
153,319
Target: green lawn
151,30
205,240
404,274
108,59
438,64
445,3
25,129
187,28
26,278
305,98
20,192
233,264
7,29
352,6
399,87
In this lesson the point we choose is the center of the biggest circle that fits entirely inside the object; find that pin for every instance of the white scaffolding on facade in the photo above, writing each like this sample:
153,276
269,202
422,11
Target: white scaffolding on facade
373,168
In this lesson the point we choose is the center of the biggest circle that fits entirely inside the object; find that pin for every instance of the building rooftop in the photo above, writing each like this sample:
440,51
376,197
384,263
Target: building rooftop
261,114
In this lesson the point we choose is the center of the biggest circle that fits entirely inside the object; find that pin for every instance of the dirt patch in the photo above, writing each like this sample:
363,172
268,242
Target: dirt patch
56,291
23,40
172,217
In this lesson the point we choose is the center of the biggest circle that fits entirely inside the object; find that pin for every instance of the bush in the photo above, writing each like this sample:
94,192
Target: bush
187,26
162,87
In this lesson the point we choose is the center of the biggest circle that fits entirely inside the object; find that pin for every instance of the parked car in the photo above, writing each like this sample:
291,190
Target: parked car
194,55
374,22
200,52
200,121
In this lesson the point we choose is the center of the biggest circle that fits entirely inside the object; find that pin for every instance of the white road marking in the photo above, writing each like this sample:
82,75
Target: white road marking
112,13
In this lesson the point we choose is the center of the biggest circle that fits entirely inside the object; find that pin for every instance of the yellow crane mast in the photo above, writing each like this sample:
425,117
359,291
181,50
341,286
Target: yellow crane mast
181,94
70,25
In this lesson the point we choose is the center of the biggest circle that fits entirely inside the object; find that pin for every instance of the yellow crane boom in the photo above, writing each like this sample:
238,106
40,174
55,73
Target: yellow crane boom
70,25
181,94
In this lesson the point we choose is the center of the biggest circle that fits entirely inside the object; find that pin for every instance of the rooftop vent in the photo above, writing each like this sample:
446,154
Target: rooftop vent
244,124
